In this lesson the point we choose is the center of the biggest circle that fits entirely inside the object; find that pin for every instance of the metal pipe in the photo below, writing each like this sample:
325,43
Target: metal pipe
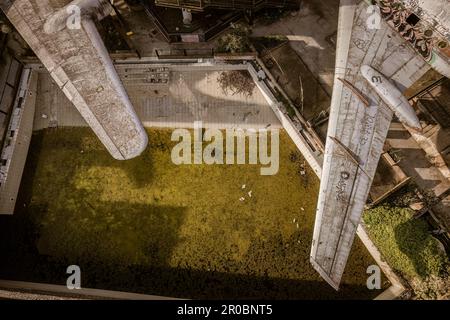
76,11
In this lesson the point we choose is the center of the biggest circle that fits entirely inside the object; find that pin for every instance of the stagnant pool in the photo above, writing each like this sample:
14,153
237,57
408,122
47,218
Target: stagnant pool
150,226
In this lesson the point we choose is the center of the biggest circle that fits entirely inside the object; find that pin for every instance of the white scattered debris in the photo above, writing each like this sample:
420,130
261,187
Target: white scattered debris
243,186
242,199
261,75
295,220
303,209
298,226
250,194
417,206
44,116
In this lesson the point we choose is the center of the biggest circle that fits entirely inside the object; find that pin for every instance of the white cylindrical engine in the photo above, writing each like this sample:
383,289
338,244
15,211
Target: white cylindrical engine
392,96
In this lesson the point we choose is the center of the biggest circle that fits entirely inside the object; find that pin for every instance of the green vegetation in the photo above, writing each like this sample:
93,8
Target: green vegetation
147,225
236,82
237,40
405,242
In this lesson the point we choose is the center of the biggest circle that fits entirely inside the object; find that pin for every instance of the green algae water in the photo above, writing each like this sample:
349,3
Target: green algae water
150,226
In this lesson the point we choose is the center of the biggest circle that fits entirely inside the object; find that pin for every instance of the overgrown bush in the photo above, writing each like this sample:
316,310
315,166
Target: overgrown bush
410,195
405,243
235,41
432,288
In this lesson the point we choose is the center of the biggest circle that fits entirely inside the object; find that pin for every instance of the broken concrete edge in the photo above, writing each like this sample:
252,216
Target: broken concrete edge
386,195
308,131
41,291
300,141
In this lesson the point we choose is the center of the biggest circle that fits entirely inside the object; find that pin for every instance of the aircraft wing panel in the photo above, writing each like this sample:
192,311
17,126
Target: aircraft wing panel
358,126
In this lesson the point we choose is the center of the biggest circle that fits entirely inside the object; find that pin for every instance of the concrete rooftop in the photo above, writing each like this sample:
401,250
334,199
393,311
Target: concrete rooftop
191,94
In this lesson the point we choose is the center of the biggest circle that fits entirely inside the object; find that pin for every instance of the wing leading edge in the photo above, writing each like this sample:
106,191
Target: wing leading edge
358,126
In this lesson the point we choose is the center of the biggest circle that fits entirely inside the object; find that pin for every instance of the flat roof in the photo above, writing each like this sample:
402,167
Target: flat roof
191,94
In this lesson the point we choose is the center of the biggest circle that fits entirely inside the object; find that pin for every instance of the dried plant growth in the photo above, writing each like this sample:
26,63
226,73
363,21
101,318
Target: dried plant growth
236,82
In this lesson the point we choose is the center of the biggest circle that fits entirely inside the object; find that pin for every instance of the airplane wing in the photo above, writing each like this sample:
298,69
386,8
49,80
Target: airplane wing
358,126
79,63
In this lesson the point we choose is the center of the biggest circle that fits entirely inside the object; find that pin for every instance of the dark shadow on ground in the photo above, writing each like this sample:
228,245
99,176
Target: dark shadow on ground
412,160
105,248
406,234
198,284
94,152
22,261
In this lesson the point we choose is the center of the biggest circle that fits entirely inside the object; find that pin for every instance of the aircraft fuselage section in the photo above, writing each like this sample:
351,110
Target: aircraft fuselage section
392,96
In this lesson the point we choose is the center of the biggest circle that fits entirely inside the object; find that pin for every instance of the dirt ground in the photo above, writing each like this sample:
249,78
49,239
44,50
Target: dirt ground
311,33
298,81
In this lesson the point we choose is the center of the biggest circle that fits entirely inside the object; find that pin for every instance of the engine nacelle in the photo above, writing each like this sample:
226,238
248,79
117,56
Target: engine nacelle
392,96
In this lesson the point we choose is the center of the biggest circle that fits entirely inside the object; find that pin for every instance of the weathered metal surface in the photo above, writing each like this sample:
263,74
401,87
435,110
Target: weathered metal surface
80,65
392,97
425,27
348,173
17,141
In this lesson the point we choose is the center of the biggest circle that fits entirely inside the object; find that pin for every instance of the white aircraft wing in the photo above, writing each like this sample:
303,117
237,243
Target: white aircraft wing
358,125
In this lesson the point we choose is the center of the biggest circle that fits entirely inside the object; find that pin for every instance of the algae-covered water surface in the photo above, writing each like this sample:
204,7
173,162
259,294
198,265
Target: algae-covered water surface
150,226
